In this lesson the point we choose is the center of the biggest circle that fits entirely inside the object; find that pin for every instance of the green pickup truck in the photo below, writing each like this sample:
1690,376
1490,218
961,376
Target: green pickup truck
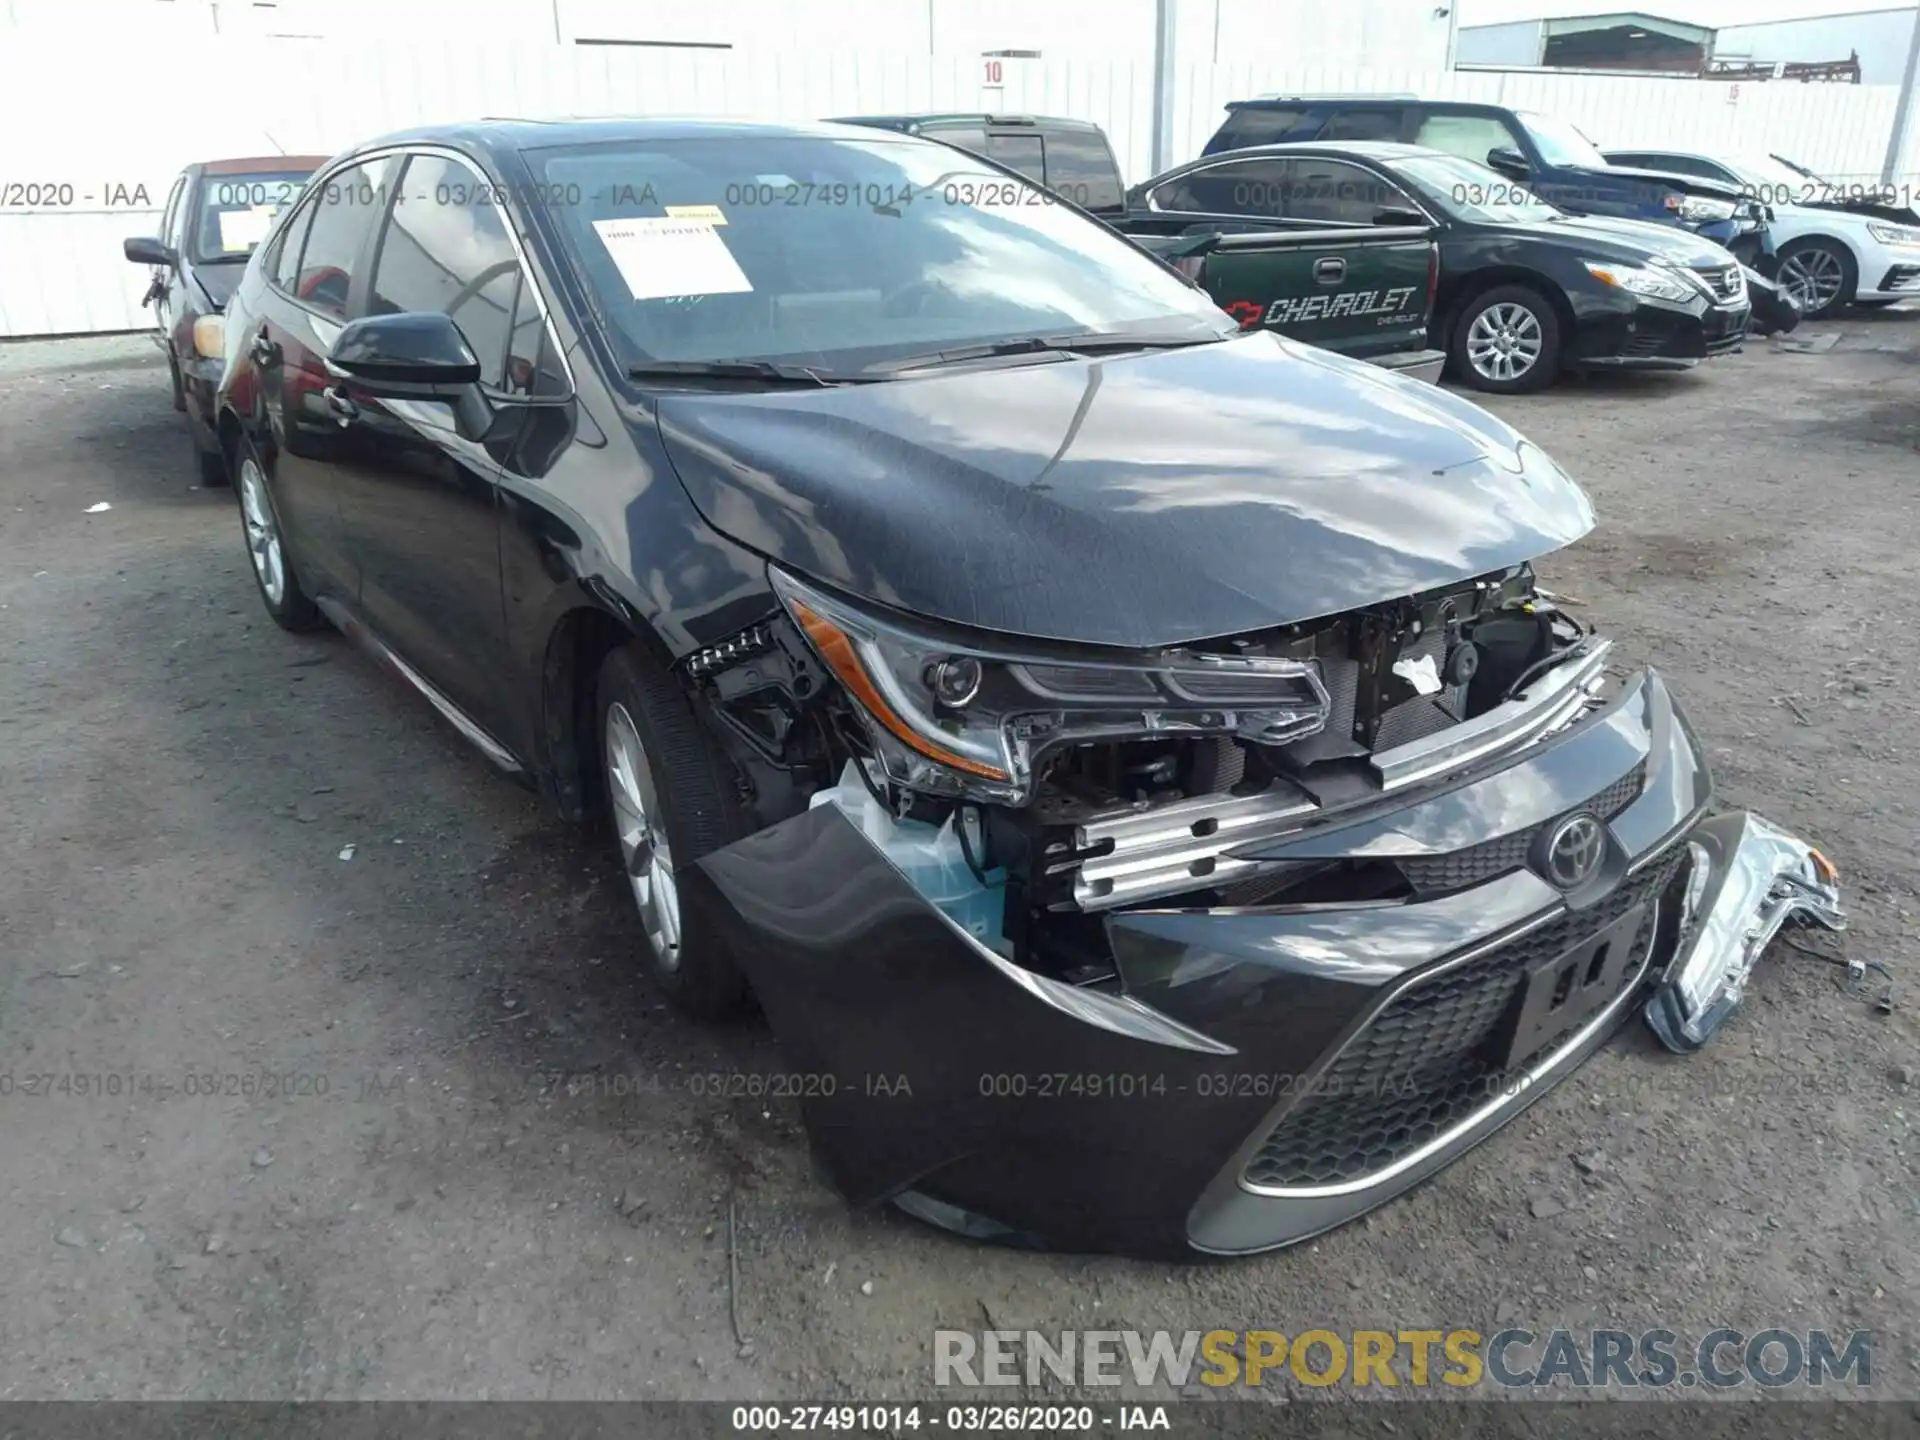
1368,294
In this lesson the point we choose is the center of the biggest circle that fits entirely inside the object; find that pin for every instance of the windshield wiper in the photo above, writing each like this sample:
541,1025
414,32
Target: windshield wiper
1090,343
735,370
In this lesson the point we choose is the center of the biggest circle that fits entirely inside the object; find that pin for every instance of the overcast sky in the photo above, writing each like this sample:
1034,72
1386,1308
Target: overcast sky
1690,12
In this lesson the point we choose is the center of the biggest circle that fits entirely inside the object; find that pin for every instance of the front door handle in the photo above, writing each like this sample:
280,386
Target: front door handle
344,410
1330,270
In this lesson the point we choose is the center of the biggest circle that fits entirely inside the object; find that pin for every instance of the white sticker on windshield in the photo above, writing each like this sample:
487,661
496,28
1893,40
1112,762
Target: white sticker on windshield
663,258
244,229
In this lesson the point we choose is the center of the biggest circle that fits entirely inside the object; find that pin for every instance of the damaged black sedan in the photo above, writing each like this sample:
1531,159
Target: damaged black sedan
1130,761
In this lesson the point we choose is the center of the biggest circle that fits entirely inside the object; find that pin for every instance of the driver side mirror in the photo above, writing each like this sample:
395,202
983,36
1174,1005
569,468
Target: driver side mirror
414,354
1508,161
147,250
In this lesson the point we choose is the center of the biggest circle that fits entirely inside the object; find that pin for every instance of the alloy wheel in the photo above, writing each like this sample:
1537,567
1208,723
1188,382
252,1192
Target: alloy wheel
263,534
1504,342
1813,278
643,841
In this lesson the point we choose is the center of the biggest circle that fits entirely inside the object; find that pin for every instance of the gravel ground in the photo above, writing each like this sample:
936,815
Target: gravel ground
482,1165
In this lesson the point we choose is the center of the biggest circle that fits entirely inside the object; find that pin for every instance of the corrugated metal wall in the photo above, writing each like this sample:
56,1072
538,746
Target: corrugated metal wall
61,270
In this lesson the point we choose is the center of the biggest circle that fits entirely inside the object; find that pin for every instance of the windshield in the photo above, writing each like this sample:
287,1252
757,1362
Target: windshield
1471,192
835,253
1560,143
234,212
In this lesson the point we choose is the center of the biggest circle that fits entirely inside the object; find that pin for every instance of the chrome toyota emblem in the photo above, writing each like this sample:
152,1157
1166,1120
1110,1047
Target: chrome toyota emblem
1574,851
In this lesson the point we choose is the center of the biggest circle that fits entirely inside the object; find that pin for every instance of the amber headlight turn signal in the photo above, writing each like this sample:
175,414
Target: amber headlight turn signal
959,713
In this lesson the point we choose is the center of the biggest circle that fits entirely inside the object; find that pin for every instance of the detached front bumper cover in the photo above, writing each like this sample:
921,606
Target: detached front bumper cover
1749,879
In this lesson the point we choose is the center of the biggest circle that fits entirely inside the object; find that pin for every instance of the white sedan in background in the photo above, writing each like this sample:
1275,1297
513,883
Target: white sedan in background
1838,244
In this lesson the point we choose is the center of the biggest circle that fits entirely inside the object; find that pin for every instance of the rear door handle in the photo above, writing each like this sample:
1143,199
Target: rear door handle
264,350
1330,270
344,410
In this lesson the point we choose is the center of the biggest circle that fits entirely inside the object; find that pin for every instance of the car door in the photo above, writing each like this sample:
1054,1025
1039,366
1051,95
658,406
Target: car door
419,495
319,275
164,282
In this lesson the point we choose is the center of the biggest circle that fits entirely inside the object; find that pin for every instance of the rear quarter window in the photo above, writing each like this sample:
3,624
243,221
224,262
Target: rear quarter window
1081,167
1260,127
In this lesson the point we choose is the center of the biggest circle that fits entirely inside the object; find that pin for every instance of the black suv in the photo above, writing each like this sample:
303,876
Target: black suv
1069,157
1552,158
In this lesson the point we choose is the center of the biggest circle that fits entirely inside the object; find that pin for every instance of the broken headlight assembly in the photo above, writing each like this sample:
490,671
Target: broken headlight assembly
953,713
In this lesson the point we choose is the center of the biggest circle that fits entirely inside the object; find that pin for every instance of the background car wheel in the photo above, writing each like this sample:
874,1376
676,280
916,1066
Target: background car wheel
1507,341
1819,274
280,588
671,795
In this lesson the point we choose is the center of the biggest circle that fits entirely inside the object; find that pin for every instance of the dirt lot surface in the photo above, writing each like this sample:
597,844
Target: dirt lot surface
465,1152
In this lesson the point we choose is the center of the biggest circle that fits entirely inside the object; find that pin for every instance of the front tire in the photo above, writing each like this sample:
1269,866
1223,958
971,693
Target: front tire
1507,341
1820,275
273,573
672,799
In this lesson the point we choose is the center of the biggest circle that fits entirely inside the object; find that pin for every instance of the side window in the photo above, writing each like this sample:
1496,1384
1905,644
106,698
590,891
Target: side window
1674,165
285,263
1364,125
1236,187
170,227
1082,168
1468,136
1020,152
533,367
1337,193
347,205
967,137
1255,126
446,248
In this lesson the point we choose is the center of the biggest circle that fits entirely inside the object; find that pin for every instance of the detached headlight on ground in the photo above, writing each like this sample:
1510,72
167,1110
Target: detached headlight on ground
1638,280
961,715
1904,235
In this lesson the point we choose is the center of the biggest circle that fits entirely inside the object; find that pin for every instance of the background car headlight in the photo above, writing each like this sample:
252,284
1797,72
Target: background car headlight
1698,210
210,337
1660,284
1895,234
960,714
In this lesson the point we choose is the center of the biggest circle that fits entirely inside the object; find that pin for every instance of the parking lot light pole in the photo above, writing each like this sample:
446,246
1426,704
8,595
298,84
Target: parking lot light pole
1897,142
1163,86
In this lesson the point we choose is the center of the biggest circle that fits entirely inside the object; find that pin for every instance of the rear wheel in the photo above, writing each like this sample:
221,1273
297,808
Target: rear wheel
672,799
1820,275
280,588
1507,341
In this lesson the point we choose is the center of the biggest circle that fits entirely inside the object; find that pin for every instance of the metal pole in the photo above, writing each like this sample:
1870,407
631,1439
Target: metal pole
1897,141
1163,85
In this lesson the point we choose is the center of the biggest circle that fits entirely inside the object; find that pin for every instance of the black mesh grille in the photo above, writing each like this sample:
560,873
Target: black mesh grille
1419,1066
1431,875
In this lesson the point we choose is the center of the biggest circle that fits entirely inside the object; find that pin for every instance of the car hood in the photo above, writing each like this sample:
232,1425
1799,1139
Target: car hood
1685,184
1608,238
1864,207
219,281
1134,501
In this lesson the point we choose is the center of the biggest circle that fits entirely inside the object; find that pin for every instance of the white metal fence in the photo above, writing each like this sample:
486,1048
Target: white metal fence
117,129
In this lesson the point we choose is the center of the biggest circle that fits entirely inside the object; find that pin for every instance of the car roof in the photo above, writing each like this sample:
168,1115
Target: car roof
259,164
510,134
907,122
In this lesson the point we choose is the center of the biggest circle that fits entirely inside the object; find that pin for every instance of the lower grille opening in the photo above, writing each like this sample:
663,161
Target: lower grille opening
1420,1066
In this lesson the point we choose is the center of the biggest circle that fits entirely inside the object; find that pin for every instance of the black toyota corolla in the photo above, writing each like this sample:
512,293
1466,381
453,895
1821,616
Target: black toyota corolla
1129,761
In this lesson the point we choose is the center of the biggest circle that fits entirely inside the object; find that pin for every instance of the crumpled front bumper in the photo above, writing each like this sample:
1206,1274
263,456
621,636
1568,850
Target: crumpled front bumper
1249,1077
1748,879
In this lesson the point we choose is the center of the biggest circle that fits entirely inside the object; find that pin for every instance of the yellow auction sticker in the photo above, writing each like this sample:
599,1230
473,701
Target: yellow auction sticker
709,213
